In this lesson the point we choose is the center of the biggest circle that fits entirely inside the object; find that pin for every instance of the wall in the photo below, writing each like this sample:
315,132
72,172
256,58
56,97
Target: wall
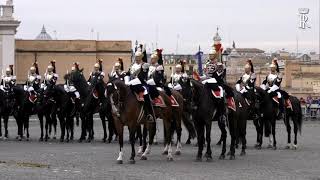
67,52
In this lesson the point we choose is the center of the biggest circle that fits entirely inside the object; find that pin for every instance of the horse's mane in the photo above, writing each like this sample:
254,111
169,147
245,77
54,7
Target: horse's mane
81,85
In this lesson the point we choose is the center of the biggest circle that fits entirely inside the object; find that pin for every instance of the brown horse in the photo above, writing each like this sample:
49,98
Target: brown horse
128,111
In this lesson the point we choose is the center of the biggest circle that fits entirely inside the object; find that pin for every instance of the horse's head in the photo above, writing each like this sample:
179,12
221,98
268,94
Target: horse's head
186,91
49,93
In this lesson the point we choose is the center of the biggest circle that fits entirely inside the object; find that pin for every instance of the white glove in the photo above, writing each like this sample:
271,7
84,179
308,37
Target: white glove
269,91
25,88
42,86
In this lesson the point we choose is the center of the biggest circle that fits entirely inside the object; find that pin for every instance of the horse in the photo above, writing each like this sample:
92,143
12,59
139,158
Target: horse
295,113
92,101
128,111
55,95
268,111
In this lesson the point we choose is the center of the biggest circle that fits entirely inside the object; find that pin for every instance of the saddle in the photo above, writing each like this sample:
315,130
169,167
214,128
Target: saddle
158,102
32,98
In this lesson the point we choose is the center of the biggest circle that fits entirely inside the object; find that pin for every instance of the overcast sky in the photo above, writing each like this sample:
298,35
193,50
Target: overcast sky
266,24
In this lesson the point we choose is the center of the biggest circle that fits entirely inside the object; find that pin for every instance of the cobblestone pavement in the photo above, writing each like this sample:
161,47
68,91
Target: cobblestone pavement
54,160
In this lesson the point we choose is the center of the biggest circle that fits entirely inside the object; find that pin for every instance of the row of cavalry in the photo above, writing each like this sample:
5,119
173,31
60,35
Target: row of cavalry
118,105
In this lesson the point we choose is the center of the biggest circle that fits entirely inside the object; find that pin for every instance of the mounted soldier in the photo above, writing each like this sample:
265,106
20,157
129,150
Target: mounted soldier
137,80
247,80
8,80
215,73
69,86
272,85
118,70
97,71
51,77
32,85
175,78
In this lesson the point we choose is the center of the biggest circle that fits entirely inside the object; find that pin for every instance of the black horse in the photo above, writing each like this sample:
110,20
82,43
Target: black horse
58,99
92,100
296,116
268,111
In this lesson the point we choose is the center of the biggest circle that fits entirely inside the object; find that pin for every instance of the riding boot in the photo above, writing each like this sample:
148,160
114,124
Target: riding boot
148,108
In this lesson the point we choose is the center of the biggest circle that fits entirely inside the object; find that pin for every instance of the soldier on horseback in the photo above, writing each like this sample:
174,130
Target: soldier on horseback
97,72
8,80
33,82
138,84
175,78
118,70
69,86
247,80
215,72
272,85
51,77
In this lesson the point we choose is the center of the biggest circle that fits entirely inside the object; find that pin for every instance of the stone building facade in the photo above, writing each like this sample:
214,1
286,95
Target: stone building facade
66,52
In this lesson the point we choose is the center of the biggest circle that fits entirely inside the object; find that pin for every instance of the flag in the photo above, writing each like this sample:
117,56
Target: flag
199,57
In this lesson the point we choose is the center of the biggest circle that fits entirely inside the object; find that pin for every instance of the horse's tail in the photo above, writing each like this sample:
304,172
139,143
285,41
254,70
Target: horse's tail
189,125
297,110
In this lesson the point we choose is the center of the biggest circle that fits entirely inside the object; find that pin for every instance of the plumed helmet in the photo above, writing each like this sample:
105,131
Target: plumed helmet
212,51
50,67
117,64
8,69
272,65
154,56
179,66
145,66
97,65
32,68
138,54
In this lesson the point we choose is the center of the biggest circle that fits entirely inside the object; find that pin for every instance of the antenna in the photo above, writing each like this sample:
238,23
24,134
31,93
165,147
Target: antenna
177,45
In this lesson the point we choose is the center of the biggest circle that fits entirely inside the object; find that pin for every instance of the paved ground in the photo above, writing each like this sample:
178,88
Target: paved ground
53,160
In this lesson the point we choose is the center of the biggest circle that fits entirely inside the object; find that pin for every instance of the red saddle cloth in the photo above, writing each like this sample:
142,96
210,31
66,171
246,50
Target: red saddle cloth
32,97
275,99
158,102
173,101
231,103
216,93
288,104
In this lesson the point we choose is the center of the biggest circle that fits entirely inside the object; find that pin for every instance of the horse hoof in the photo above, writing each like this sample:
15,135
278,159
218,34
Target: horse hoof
104,140
222,157
27,139
132,161
274,147
232,157
198,159
155,143
61,140
40,139
170,158
188,141
229,153
177,153
270,146
143,158
295,147
165,153
219,143
54,137
67,140
119,162
237,146
287,147
243,153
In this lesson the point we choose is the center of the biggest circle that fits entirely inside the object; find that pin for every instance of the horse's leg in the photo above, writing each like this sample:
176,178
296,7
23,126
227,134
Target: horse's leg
152,131
83,127
139,136
119,128
200,132
71,128
5,121
48,119
90,128
111,127
179,132
54,123
62,126
208,154
132,142
168,135
288,127
295,130
273,125
40,117
103,121
222,128
243,134
145,134
26,126
0,126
